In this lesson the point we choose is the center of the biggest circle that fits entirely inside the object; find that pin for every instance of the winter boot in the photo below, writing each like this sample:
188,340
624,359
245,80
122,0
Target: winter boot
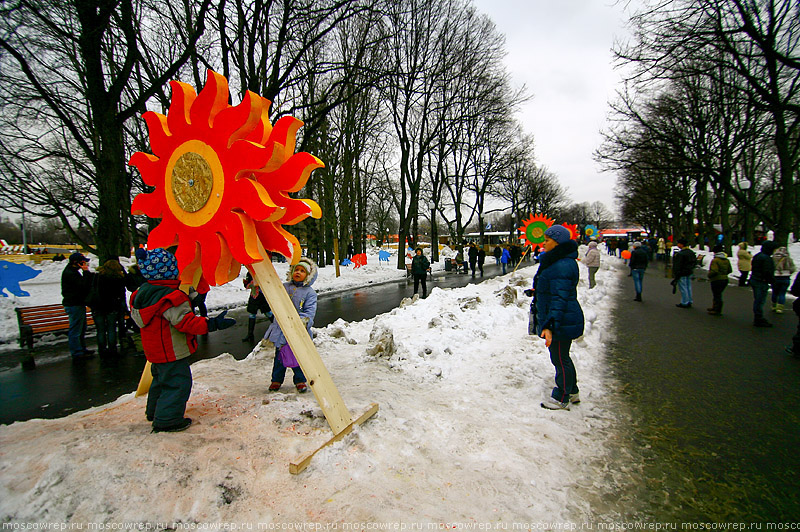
716,309
251,327
638,297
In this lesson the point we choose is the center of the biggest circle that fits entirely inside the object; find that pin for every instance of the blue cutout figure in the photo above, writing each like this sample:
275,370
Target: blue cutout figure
10,276
383,256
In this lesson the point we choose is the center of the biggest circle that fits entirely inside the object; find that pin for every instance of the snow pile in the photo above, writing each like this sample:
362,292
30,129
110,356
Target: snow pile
459,438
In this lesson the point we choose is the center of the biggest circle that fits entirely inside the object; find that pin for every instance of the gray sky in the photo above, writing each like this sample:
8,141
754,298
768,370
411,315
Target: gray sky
561,51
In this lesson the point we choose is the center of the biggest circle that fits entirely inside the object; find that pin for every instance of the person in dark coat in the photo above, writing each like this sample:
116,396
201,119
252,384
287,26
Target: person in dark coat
419,269
481,259
255,303
557,315
498,252
110,284
761,277
683,265
718,272
472,253
638,264
76,280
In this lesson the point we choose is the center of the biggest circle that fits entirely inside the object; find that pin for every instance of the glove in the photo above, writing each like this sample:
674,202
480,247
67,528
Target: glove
528,292
219,322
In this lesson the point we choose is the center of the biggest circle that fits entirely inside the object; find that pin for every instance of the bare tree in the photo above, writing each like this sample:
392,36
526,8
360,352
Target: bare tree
751,47
67,88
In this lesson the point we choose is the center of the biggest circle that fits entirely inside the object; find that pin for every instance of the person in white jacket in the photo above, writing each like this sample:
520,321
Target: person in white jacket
592,261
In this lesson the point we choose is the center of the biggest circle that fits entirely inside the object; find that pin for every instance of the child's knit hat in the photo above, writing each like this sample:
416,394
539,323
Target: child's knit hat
157,264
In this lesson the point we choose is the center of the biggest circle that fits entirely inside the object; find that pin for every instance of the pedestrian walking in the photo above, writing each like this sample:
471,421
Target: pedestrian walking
109,285
301,276
638,264
169,335
557,315
761,277
682,271
661,252
784,268
76,280
505,258
481,259
498,252
472,254
419,269
718,272
592,262
256,302
745,263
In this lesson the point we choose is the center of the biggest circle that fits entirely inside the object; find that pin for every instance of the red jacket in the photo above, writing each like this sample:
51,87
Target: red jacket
168,325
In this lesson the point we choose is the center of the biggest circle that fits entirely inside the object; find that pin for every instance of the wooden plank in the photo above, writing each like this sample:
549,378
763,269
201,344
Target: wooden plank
145,381
319,380
301,463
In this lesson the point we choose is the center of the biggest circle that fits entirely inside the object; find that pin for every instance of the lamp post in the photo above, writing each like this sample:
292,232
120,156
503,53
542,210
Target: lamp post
744,185
24,236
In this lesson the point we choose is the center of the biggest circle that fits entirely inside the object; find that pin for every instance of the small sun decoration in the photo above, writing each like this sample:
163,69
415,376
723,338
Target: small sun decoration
222,176
573,231
534,228
590,231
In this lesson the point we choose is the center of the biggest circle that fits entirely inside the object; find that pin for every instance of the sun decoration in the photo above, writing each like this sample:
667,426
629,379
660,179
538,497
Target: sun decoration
590,231
534,228
573,231
222,176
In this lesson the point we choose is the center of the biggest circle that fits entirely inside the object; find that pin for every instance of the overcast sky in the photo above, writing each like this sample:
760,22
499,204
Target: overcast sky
561,51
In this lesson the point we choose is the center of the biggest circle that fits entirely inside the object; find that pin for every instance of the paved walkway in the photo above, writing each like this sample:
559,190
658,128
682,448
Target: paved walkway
716,403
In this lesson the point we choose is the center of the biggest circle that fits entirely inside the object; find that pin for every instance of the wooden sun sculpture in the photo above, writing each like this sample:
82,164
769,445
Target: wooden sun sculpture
534,228
573,231
222,176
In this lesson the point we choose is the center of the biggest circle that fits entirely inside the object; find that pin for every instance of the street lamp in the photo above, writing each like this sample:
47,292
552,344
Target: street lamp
744,185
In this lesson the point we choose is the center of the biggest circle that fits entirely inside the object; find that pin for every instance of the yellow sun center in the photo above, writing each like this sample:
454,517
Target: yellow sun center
195,191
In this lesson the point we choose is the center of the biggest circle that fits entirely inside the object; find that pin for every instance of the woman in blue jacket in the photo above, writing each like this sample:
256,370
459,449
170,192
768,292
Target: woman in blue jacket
558,317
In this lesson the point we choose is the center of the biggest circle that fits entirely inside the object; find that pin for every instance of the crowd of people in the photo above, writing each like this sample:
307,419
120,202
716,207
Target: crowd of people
166,316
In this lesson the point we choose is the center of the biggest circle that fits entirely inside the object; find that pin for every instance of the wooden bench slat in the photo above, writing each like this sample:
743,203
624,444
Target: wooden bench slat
44,319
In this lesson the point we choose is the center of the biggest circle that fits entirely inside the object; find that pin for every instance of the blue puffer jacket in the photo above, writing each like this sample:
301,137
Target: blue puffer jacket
555,295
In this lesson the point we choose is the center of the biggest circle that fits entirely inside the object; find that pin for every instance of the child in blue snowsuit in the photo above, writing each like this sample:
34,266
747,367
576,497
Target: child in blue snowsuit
301,276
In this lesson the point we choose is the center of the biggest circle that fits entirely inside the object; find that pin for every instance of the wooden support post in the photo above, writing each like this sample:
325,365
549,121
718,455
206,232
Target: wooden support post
145,381
319,380
301,463
336,255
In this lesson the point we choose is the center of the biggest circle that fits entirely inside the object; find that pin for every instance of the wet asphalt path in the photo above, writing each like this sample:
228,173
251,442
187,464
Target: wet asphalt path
59,387
716,404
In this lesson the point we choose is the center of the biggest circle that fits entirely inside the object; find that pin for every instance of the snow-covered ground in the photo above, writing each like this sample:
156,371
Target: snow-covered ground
459,441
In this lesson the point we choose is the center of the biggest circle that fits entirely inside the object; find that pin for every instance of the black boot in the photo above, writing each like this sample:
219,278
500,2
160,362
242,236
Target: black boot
251,327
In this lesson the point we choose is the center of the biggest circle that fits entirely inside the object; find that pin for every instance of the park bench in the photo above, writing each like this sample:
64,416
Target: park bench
40,320
410,276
